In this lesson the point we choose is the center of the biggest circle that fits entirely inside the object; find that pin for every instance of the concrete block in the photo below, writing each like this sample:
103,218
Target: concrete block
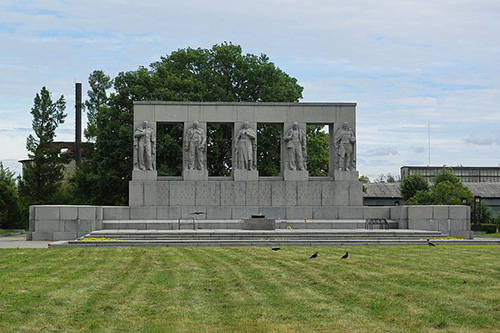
162,193
218,213
351,213
68,212
258,224
143,213
327,193
264,197
245,175
232,193
295,175
243,212
195,112
182,193
422,224
459,212
186,212
195,175
271,113
47,212
341,194
278,193
273,212
355,194
168,213
420,212
325,213
136,193
461,234
309,193
345,175
86,213
150,194
252,194
59,236
399,213
245,113
141,175
298,213
42,236
116,213
208,193
49,226
177,113
377,212
440,212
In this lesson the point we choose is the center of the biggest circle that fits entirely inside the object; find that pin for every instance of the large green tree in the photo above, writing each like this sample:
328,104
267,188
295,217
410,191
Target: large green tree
98,98
10,205
411,184
222,74
42,175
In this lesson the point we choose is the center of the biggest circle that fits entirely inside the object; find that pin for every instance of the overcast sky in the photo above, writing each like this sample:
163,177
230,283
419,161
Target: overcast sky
414,67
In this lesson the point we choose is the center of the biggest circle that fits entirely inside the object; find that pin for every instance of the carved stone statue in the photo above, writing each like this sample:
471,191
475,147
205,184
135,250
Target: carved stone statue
246,148
295,140
194,144
144,144
344,144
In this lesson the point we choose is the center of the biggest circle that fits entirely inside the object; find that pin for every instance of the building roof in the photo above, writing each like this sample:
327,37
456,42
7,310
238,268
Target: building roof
382,190
391,190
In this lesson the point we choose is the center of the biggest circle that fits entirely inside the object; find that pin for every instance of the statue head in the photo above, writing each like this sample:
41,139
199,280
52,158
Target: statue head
145,124
196,124
346,126
246,124
295,125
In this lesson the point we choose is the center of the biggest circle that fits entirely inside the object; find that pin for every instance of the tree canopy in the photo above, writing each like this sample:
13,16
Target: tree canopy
43,173
220,74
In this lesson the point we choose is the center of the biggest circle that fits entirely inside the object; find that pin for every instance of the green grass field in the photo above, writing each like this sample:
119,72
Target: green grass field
378,288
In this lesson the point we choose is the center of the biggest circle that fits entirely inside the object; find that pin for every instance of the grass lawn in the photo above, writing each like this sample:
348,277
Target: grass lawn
251,289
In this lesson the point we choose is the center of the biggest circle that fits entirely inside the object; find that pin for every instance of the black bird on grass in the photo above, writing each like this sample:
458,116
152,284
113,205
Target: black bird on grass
345,255
430,243
314,255
276,248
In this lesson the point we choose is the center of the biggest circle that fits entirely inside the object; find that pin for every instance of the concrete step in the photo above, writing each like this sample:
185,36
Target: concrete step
269,243
194,224
279,234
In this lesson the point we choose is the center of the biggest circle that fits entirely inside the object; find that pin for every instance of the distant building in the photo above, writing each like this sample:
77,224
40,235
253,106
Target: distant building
388,194
466,174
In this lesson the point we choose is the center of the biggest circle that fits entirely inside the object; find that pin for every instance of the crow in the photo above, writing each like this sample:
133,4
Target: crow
276,248
314,255
345,255
430,243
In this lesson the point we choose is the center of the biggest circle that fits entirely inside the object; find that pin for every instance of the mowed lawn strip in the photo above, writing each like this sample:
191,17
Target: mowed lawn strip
251,289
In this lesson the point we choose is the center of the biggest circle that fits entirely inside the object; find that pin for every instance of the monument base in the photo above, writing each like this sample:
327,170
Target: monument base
258,224
340,175
295,175
144,175
246,175
195,175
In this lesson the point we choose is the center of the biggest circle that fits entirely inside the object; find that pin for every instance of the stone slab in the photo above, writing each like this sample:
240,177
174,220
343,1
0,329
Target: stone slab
182,193
207,194
68,213
194,175
309,193
345,175
295,175
245,175
140,175
258,224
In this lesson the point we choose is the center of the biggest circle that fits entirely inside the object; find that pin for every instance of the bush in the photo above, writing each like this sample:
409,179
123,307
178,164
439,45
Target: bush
489,228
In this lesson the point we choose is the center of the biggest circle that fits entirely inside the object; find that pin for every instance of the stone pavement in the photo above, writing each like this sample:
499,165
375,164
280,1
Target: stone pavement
20,242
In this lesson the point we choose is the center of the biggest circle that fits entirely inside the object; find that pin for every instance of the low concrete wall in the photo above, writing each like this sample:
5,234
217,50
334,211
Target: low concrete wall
59,222
70,222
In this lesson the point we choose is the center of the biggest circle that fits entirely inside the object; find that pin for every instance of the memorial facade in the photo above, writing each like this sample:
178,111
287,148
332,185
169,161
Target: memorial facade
291,195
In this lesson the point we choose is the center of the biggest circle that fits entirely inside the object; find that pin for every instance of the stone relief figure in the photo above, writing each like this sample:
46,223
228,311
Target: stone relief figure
246,148
344,144
144,144
295,140
194,145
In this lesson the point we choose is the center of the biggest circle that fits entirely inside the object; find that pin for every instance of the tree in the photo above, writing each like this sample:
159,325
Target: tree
389,178
317,150
221,73
10,206
98,98
447,189
43,174
411,184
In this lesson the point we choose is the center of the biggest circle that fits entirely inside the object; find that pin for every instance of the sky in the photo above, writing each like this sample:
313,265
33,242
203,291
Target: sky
425,74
